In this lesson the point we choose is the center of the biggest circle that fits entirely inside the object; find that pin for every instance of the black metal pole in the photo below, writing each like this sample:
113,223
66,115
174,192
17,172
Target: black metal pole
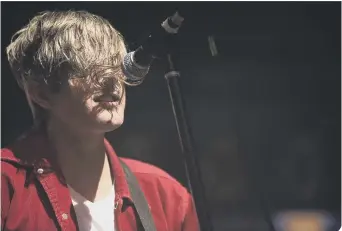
186,141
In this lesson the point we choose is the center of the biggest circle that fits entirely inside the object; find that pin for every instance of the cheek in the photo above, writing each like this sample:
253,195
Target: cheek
123,101
68,107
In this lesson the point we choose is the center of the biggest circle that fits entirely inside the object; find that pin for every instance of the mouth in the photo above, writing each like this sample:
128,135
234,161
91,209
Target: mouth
107,102
106,99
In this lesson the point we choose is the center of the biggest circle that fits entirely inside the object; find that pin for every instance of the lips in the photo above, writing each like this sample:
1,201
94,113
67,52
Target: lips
106,98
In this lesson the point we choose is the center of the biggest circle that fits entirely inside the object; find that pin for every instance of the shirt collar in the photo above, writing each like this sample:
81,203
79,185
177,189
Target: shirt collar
32,150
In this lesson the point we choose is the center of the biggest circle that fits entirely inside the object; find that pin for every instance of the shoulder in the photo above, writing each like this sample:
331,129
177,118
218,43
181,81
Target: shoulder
17,158
9,162
155,179
12,178
165,194
140,167
11,170
143,169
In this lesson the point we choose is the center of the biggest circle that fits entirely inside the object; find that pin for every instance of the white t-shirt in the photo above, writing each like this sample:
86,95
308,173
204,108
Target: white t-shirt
97,216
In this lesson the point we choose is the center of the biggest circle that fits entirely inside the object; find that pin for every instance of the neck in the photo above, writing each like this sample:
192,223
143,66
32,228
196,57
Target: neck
75,146
82,159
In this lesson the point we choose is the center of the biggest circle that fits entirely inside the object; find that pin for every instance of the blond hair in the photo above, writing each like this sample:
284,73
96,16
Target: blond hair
56,46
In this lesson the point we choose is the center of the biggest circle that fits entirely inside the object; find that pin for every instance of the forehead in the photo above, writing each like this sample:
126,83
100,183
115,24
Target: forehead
80,40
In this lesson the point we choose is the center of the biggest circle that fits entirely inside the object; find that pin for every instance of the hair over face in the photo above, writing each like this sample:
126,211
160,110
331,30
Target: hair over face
55,47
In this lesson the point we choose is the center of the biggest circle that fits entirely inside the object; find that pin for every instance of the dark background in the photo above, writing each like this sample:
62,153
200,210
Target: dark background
265,112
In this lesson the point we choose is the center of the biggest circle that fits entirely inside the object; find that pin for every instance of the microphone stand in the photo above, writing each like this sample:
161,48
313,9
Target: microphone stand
186,141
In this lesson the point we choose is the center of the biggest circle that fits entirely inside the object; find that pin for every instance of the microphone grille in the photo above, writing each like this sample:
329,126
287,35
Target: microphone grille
134,73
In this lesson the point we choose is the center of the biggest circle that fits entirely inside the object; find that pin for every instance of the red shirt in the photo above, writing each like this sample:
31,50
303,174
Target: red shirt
35,197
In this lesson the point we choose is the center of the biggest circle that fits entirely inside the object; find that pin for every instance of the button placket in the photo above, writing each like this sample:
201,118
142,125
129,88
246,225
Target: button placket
65,216
40,171
49,180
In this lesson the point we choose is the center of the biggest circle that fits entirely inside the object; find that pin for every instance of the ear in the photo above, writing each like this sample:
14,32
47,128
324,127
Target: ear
39,94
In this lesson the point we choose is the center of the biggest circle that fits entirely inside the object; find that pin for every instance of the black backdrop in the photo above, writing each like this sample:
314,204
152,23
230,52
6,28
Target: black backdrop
265,112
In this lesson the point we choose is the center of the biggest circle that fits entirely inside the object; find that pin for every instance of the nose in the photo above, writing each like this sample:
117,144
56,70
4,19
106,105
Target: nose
109,82
113,84
116,97
113,87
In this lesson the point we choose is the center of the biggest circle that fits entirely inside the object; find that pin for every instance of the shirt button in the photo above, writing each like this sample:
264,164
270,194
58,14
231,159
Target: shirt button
40,171
64,216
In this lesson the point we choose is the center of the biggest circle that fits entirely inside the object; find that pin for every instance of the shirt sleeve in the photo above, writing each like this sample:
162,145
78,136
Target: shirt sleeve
190,219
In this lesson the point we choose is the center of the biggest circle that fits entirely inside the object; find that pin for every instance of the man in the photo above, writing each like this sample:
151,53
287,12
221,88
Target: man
63,174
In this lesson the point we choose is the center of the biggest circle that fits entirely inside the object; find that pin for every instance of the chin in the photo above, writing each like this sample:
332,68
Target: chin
105,127
108,124
109,128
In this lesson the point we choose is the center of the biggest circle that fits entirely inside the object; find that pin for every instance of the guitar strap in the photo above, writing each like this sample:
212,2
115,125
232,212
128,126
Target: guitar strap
141,207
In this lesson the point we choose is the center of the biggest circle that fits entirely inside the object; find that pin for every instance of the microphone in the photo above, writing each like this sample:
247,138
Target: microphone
136,64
